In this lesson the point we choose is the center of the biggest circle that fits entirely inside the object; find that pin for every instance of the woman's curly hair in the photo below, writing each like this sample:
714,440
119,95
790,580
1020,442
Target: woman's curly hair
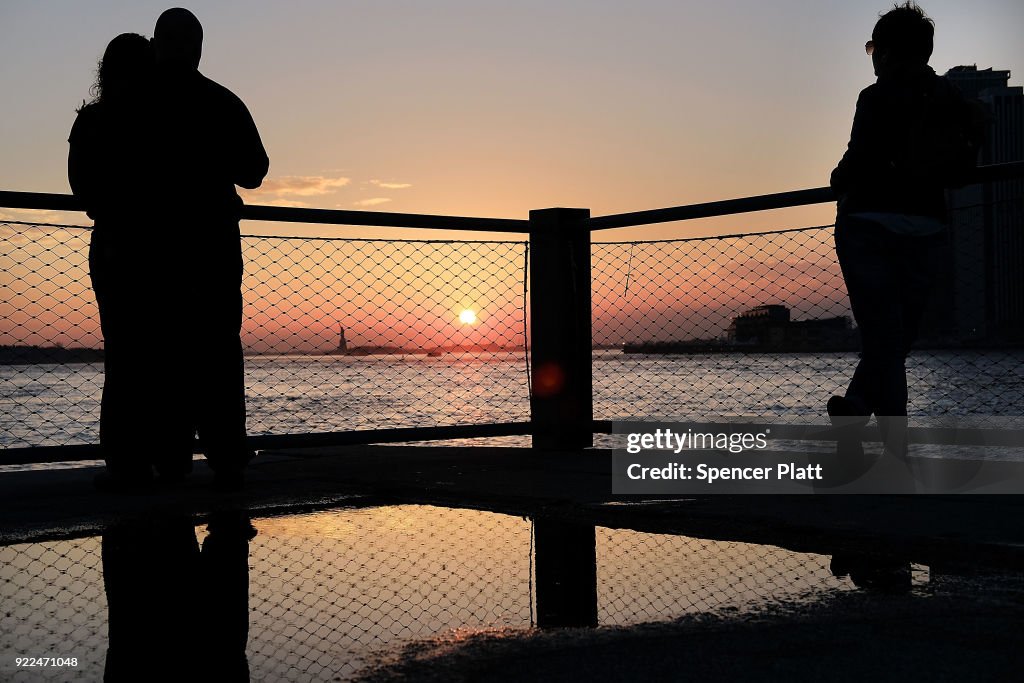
126,65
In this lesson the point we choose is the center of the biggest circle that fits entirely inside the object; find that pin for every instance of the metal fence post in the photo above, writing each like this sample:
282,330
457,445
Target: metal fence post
562,404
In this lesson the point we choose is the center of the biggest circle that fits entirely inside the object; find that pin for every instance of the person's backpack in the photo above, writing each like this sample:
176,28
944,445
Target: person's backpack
942,137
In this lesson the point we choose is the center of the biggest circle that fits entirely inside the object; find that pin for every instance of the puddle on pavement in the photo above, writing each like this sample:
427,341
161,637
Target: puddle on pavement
327,592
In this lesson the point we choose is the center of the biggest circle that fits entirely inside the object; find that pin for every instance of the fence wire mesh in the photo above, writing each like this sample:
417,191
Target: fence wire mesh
325,594
434,333
346,334
644,577
340,334
760,325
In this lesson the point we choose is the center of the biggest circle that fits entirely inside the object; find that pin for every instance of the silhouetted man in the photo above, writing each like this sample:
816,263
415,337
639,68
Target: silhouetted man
913,136
206,143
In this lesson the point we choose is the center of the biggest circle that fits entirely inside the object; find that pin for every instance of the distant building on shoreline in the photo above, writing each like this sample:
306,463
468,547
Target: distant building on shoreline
766,328
770,328
758,325
980,297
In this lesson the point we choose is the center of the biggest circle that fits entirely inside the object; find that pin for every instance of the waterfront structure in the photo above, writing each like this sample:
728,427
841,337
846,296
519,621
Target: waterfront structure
766,328
770,327
760,325
983,300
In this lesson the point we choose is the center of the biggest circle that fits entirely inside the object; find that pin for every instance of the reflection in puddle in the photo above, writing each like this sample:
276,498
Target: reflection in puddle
645,577
335,586
328,591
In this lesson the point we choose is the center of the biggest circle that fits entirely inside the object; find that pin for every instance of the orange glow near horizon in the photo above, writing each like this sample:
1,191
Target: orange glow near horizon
298,293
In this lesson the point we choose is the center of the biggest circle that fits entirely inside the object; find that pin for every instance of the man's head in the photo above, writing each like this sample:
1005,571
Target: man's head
178,39
902,36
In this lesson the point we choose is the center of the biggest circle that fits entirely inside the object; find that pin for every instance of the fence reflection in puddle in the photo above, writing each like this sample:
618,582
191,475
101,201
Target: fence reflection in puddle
329,590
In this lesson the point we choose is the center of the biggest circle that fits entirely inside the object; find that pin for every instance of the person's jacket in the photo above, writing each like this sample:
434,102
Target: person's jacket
109,161
914,135
205,144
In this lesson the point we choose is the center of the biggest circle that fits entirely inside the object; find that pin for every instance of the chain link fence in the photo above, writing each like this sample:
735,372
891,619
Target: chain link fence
322,595
345,334
645,577
392,333
760,326
339,334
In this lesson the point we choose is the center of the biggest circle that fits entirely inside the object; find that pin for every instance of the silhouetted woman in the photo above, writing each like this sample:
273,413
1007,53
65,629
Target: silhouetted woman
109,152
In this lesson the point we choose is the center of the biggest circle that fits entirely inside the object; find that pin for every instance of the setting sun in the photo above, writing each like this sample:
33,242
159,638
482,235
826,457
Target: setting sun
467,317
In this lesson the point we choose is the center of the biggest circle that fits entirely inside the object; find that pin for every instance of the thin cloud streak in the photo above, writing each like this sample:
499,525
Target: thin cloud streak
390,186
301,186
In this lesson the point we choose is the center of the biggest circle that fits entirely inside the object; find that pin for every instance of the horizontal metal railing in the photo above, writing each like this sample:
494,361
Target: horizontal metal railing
37,455
285,214
780,200
767,202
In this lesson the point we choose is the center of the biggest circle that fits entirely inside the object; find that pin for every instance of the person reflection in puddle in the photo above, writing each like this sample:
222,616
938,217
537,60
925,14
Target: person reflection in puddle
874,574
177,611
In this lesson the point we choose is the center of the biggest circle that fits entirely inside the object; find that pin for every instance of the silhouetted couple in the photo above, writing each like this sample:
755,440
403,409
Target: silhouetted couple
155,159
914,135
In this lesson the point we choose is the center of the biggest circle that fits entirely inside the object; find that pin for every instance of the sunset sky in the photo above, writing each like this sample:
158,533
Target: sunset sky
494,108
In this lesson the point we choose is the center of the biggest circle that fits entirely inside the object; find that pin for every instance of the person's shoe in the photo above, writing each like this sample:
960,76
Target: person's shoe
873,574
850,462
844,412
847,417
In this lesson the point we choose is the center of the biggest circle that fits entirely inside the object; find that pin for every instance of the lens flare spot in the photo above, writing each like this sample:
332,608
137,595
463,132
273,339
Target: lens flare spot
548,380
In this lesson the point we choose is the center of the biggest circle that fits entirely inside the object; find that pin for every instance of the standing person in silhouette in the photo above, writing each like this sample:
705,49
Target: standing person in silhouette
914,135
107,160
207,143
